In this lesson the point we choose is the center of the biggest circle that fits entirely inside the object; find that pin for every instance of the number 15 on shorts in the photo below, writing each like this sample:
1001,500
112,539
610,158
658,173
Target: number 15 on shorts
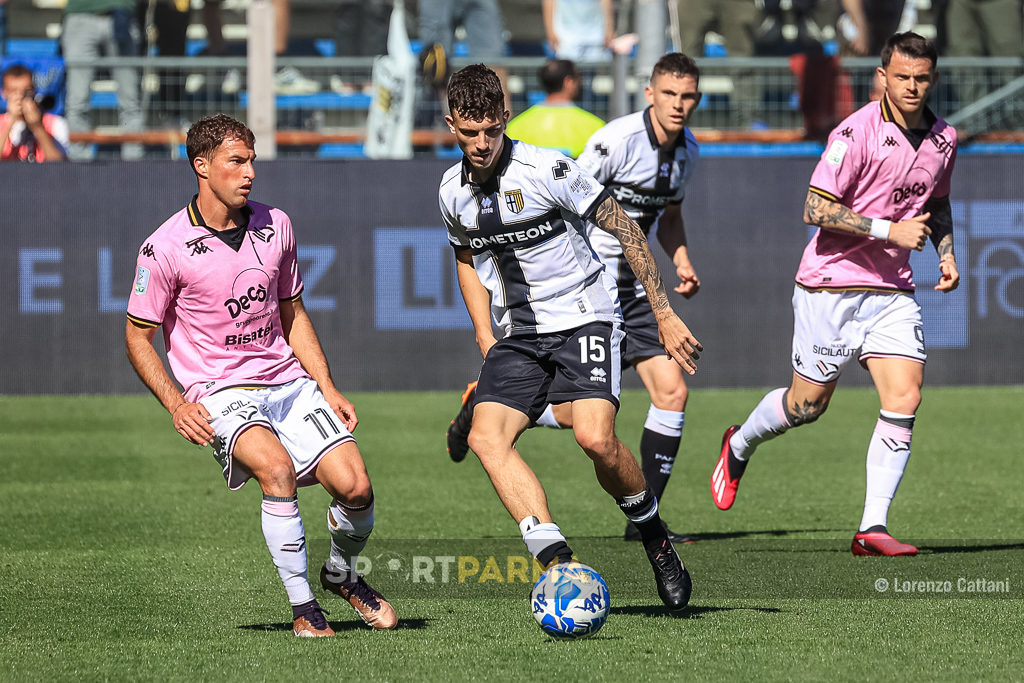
592,349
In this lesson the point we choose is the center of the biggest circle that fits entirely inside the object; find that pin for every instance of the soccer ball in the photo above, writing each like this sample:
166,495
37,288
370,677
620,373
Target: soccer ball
570,601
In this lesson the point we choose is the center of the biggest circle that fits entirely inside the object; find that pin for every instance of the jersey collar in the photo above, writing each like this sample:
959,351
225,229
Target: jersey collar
231,236
653,136
499,168
915,136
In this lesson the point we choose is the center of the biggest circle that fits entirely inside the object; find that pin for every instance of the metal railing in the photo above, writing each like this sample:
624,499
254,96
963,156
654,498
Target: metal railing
331,96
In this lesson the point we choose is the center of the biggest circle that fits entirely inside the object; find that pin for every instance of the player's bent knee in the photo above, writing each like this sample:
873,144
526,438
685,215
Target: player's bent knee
277,478
599,446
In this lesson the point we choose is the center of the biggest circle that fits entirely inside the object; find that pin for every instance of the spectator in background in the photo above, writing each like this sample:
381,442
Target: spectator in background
93,28
3,27
984,28
556,122
869,24
737,21
166,24
26,132
288,80
485,30
579,29
360,30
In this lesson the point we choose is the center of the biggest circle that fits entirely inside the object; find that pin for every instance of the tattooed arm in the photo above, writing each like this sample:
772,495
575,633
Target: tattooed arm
825,213
942,237
675,336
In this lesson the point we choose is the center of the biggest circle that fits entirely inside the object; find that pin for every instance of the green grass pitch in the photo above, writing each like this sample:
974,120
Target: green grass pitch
124,557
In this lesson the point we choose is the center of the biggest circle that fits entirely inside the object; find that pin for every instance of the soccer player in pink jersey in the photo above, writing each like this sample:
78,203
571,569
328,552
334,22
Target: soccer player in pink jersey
221,278
880,190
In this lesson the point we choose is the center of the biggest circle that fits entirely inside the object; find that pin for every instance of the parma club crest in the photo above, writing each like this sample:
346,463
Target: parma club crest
514,200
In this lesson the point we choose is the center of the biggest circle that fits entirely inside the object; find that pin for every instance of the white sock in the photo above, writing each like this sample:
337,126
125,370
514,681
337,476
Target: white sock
888,453
666,422
540,536
349,527
547,418
766,422
286,540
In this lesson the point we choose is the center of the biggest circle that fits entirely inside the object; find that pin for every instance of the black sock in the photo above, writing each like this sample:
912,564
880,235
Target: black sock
657,455
644,514
559,549
876,529
299,610
736,466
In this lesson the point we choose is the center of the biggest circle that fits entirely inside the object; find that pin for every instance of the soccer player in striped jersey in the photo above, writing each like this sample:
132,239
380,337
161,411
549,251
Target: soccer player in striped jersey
516,216
880,190
221,278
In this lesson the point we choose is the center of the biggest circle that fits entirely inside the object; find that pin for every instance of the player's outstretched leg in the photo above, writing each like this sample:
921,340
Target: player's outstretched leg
779,411
899,386
458,430
350,522
618,473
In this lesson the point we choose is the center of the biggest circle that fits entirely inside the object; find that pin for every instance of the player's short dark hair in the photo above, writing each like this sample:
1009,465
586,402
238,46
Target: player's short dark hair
553,74
677,64
210,132
911,45
475,93
16,71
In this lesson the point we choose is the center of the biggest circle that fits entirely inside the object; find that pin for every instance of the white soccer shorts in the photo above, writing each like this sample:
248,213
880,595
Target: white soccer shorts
296,412
830,328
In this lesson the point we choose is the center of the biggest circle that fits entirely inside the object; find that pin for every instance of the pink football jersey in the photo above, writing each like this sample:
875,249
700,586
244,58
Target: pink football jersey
216,295
880,170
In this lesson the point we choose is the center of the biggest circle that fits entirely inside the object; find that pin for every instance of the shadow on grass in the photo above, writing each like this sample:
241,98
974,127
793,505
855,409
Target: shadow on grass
338,626
769,533
691,612
940,549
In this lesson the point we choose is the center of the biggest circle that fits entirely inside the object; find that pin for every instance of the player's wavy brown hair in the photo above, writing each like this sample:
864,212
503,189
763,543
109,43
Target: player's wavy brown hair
677,64
909,44
475,93
210,132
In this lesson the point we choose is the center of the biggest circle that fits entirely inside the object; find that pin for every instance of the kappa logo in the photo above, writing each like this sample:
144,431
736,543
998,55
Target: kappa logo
486,205
198,246
599,375
560,170
847,132
796,361
264,234
895,446
148,251
890,141
601,149
826,369
514,200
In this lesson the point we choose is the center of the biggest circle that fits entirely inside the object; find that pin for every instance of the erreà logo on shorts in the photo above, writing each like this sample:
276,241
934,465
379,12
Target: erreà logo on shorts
513,237
249,293
599,375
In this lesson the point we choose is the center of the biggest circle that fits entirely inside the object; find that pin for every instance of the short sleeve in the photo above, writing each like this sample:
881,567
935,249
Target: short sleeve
596,158
841,163
569,186
156,281
943,187
457,235
289,279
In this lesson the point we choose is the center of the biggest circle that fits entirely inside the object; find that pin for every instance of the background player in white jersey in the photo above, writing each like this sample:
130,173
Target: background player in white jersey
221,277
516,217
645,160
880,189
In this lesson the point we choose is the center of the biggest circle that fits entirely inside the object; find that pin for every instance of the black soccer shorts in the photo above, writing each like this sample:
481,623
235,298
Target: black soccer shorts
528,372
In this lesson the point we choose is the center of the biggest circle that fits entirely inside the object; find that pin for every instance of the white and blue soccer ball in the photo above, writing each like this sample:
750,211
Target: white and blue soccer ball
570,601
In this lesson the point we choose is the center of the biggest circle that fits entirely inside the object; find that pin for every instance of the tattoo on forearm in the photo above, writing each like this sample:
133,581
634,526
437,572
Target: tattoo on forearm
825,213
941,224
612,219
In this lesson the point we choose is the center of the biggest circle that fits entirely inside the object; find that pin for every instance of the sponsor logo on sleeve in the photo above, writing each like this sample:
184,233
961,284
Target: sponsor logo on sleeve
141,280
836,152
580,186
